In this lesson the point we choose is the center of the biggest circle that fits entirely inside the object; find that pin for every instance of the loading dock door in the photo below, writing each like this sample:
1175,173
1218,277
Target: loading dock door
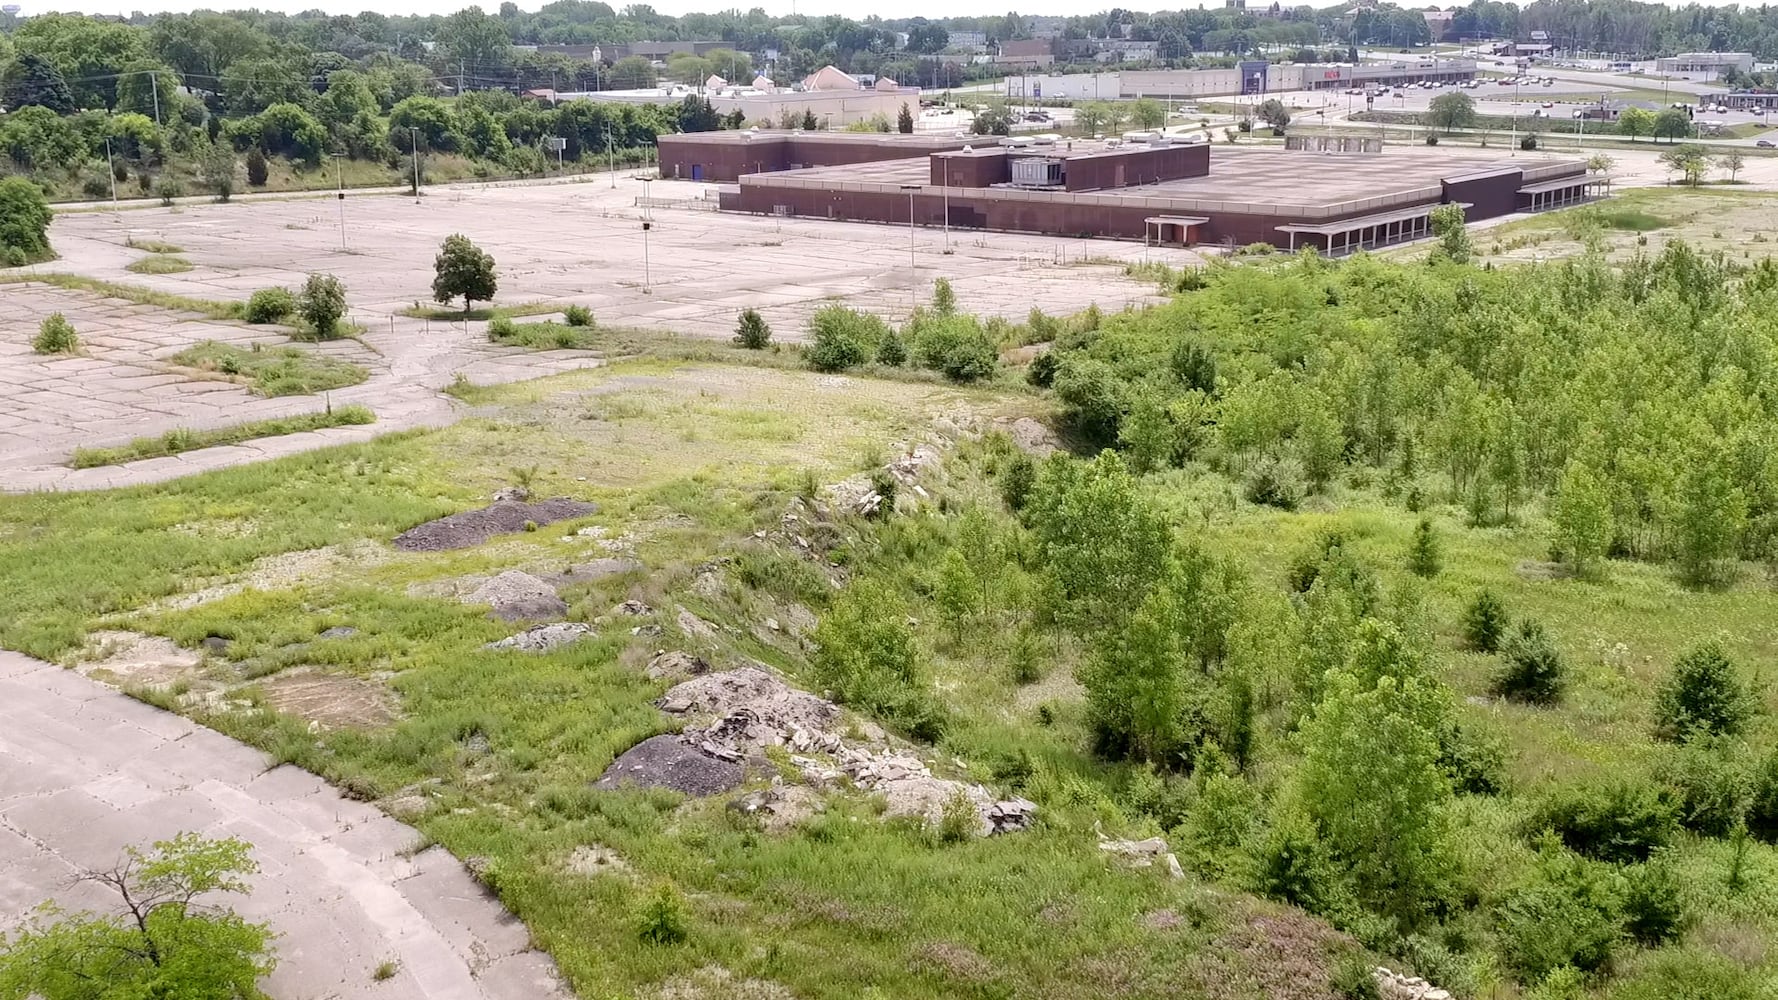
697,171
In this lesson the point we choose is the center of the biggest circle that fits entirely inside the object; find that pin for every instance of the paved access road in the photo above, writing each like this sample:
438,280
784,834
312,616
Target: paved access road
85,771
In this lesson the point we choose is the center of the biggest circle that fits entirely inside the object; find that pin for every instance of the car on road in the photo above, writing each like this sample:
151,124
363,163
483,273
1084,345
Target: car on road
1766,144
1549,104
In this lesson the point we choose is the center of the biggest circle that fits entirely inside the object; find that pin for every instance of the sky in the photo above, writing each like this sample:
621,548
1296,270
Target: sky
850,8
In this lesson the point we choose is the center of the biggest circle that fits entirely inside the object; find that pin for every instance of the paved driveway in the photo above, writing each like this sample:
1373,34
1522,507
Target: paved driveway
85,771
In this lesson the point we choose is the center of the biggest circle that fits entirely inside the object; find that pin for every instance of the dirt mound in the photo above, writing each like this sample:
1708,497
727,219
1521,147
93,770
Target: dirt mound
473,527
541,638
750,704
514,595
666,761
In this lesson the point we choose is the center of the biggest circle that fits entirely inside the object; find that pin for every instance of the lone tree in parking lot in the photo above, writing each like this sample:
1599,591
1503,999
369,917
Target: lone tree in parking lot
1452,111
1688,161
163,942
1731,163
1274,113
463,269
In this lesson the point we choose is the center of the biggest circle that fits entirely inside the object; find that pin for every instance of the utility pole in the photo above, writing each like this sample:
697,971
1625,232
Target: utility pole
413,132
154,85
111,169
340,173
611,156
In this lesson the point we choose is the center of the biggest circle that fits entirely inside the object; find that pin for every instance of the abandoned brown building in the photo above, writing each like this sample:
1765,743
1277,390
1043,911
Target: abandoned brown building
1147,188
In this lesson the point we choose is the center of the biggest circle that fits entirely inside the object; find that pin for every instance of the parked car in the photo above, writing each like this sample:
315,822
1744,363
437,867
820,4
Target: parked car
1766,144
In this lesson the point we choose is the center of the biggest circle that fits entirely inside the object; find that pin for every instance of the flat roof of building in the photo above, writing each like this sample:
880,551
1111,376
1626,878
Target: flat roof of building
917,143
1242,179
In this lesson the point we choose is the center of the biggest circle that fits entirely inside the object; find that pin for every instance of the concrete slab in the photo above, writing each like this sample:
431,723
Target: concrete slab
85,772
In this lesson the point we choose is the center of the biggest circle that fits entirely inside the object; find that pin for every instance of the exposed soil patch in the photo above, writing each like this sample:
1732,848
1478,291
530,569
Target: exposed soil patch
331,701
132,658
666,761
473,527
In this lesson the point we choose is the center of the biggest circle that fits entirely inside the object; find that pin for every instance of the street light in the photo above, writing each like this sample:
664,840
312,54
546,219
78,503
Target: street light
646,226
913,265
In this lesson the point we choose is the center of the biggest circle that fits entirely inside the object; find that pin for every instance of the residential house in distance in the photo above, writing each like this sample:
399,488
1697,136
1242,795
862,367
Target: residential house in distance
1025,52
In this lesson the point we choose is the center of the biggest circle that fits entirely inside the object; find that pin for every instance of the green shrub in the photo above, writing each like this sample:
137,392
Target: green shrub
958,820
1762,800
944,298
751,331
1423,553
24,221
866,655
1042,370
1712,786
1565,916
1353,978
322,303
257,168
1275,482
892,352
1653,903
501,328
1674,974
1016,479
1473,758
1485,622
662,920
55,335
270,305
578,316
1532,670
957,346
1702,696
1622,822
842,338
168,189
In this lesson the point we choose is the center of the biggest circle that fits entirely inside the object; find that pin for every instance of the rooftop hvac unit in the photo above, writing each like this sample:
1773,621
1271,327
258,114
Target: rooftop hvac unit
1037,171
1016,141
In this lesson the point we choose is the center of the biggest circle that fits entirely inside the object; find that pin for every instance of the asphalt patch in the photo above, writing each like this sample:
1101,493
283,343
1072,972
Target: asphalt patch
473,527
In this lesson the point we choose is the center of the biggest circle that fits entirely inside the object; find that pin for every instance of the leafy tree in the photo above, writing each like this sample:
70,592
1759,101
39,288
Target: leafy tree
1762,803
632,73
955,345
1450,112
463,269
842,338
867,656
1448,225
1688,161
751,331
1582,517
1101,541
944,299
1371,781
1532,670
1092,396
256,168
1194,367
1322,444
24,222
1138,698
904,121
1731,163
165,942
1618,821
1702,696
1147,434
1635,122
1484,622
994,120
1274,113
32,80
810,122
321,303
891,351
1424,557
1672,124
957,592
219,167
1712,514
1148,113
1601,163
470,37
1090,117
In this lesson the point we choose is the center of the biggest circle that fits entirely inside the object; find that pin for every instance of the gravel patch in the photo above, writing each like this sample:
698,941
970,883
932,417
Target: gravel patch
514,595
541,638
472,527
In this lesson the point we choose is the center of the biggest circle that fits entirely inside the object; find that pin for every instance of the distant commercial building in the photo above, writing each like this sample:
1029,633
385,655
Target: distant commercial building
1255,77
1710,65
966,41
1155,188
836,99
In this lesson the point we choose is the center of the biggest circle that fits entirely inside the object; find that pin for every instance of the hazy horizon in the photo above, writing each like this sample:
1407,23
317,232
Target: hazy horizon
675,8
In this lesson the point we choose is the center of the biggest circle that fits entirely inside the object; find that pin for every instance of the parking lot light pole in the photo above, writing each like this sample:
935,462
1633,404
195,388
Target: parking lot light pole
340,174
913,265
413,132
